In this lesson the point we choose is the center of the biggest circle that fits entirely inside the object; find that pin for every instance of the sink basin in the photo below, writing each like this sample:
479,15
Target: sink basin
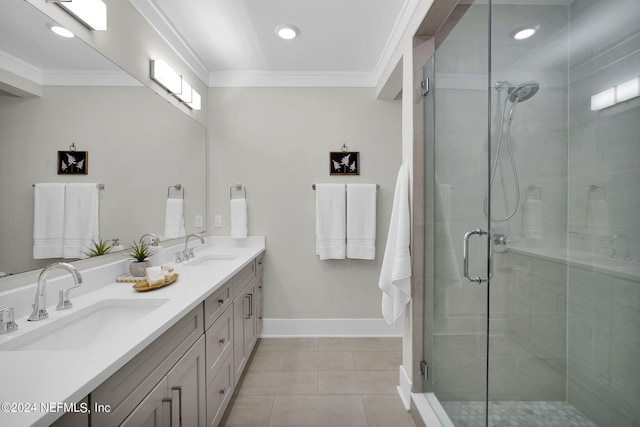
209,260
81,329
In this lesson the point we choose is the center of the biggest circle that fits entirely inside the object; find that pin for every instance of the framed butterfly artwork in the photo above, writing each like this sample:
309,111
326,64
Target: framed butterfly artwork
73,162
344,163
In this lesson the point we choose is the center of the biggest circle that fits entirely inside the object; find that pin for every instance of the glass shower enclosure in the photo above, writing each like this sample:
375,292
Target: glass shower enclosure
532,165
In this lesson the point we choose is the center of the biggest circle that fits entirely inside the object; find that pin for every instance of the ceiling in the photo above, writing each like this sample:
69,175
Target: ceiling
228,41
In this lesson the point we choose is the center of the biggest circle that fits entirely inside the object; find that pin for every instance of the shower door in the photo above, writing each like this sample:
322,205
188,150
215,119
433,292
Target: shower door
458,258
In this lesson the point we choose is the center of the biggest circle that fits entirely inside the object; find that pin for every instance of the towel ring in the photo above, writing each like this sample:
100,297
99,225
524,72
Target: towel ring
238,187
178,187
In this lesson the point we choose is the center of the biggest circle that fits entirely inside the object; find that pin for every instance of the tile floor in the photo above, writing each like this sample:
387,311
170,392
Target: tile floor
320,382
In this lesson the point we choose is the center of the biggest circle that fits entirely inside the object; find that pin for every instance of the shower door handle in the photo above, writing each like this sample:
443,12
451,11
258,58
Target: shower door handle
465,254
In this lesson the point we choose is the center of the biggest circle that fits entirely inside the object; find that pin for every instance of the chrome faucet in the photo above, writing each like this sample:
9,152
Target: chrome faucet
155,240
186,254
6,321
612,242
40,305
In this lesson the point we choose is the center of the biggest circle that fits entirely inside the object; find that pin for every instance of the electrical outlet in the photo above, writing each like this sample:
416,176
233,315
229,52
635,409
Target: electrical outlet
217,221
199,221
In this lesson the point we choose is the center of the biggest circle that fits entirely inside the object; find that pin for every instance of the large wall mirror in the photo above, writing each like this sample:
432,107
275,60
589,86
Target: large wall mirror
139,145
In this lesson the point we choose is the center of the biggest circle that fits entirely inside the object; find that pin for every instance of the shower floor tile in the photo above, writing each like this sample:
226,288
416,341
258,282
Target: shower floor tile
516,414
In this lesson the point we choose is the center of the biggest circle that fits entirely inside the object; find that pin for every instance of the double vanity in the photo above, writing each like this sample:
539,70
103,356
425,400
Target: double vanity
122,357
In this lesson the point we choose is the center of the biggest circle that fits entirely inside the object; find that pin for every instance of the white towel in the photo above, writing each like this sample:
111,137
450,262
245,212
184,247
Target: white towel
598,217
174,219
532,222
239,221
81,220
395,275
330,221
361,221
48,220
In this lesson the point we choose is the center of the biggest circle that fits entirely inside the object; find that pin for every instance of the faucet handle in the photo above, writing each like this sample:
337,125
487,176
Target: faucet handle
178,257
6,321
64,303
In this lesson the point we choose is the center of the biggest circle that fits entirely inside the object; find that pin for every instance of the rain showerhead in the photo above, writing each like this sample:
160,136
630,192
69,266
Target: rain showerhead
523,91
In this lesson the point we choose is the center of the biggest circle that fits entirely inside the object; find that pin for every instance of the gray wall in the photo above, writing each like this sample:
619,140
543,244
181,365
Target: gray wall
138,144
276,141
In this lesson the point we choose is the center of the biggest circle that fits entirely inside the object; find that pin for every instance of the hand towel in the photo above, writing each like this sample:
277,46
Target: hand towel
361,221
395,275
330,221
48,220
81,220
239,228
174,219
598,217
532,222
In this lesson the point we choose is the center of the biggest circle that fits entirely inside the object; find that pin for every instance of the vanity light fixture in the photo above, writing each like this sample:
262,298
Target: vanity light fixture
166,77
186,93
92,13
524,33
196,102
615,95
287,31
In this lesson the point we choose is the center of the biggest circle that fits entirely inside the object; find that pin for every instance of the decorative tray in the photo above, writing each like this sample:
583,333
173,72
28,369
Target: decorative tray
128,278
143,286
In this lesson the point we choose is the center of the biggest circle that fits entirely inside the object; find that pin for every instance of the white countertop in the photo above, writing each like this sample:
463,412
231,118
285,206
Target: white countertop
29,379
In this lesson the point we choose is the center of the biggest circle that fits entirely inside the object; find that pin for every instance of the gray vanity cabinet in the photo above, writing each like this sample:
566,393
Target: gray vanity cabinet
179,398
133,383
187,376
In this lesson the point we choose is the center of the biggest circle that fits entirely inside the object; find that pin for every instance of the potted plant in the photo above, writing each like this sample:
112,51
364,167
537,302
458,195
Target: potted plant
99,248
139,253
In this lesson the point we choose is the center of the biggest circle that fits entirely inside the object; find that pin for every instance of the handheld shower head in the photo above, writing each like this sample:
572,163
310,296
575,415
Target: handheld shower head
523,91
520,93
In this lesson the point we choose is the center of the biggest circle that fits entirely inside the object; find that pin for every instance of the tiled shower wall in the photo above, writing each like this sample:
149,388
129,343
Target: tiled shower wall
604,346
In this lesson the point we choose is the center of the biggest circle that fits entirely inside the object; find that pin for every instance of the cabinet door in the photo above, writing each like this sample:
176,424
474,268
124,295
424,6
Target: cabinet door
187,388
153,411
250,320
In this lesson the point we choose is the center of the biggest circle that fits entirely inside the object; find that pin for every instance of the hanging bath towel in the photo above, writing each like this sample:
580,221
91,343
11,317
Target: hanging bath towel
361,221
81,219
174,219
48,220
395,275
330,221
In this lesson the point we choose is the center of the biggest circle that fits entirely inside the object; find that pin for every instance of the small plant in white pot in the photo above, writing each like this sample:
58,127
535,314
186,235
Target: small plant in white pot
139,253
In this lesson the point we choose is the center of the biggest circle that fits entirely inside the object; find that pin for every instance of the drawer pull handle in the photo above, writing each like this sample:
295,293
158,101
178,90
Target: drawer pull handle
220,301
222,392
170,402
221,341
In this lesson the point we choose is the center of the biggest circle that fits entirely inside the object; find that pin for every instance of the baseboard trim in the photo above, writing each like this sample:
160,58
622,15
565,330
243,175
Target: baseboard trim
404,388
351,328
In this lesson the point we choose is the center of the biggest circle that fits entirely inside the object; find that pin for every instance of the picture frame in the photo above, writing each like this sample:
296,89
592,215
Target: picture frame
344,163
73,162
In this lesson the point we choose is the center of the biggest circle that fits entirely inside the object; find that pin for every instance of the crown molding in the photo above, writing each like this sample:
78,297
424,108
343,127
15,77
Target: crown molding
65,77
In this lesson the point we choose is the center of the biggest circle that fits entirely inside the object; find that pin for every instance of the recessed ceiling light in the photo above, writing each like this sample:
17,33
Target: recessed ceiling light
287,31
61,31
524,32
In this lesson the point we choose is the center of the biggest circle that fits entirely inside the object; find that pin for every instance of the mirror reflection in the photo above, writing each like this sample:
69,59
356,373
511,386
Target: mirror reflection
59,93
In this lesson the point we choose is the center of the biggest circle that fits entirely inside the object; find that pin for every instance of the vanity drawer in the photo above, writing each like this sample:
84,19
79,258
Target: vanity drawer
243,277
219,392
216,304
126,388
218,343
